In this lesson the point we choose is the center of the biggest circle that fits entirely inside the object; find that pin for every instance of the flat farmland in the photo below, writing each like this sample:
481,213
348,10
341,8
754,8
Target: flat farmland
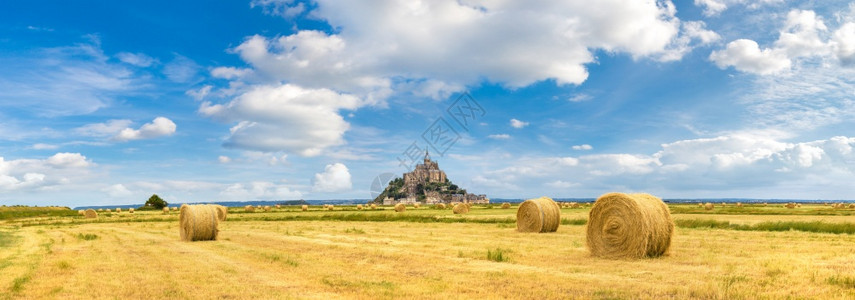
421,253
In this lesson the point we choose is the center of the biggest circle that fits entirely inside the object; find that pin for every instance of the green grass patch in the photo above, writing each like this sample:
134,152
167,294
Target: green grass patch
814,226
844,281
87,236
18,212
498,255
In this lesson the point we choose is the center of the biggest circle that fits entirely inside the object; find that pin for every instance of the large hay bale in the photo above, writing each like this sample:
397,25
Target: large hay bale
707,206
359,207
248,208
222,211
400,207
131,210
198,222
460,208
439,206
506,205
165,210
538,215
90,214
304,207
629,226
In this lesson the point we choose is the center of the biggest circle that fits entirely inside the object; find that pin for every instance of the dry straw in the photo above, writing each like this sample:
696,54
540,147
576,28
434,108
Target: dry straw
198,222
700,205
174,208
330,207
400,207
278,206
130,210
575,205
439,206
118,209
165,210
852,205
267,208
90,214
738,204
359,207
81,212
222,211
790,205
506,205
248,208
629,226
100,209
709,206
304,207
416,205
538,215
460,208
107,210
373,206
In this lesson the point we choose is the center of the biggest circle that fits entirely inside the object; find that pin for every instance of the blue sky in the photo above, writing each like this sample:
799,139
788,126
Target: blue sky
108,102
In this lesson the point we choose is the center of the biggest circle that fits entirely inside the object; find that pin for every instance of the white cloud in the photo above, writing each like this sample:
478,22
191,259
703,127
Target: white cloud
117,191
518,124
108,128
394,43
136,59
716,7
230,72
224,159
499,136
286,8
181,69
41,146
801,34
199,94
259,190
745,55
160,126
68,160
559,184
843,44
582,147
39,174
285,118
580,97
335,178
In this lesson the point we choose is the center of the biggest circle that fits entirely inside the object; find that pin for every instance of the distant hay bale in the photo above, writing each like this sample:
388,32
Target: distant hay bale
304,207
709,206
468,205
267,208
118,209
506,205
90,214
790,205
460,208
248,208
400,207
538,215
798,205
738,204
723,204
174,208
359,207
100,209
165,210
416,205
765,204
198,222
852,205
330,207
700,205
278,206
81,212
574,205
439,206
373,206
130,210
222,211
629,226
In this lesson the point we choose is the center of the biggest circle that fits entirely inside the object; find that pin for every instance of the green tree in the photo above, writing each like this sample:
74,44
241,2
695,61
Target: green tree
156,202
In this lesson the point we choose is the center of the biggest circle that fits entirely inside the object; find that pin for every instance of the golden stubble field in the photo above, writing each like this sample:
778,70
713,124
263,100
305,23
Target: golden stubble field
276,255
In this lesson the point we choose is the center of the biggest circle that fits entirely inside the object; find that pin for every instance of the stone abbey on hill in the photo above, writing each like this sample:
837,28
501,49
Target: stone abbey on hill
428,184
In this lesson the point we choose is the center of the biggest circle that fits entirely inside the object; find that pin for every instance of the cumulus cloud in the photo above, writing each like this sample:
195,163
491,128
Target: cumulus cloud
160,126
745,55
843,44
518,124
285,118
37,174
335,178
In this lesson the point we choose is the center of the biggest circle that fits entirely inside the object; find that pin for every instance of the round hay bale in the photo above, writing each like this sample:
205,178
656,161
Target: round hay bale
416,205
165,210
738,204
278,206
107,210
723,204
81,212
248,208
100,210
460,208
198,222
130,210
400,207
629,226
506,205
118,209
330,207
707,206
701,205
90,214
575,205
798,205
468,205
373,206
790,205
538,215
765,204
222,211
359,207
439,206
174,208
852,205
304,207
267,208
